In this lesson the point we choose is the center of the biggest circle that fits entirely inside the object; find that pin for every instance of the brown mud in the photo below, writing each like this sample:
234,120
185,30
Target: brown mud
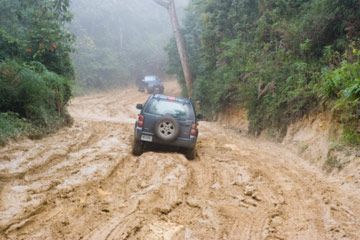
83,183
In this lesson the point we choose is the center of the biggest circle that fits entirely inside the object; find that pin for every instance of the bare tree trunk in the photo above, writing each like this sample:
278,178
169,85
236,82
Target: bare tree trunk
180,43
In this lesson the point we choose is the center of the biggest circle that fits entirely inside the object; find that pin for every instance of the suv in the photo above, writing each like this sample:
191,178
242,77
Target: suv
165,120
151,84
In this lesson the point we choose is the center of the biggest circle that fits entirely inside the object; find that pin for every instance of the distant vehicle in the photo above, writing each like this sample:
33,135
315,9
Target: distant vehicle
151,84
165,120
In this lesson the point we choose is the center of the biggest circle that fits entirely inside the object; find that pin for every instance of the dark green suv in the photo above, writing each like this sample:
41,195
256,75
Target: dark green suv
168,121
151,84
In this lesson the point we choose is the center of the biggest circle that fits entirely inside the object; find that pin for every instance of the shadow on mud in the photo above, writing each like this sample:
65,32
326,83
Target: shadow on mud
148,147
156,148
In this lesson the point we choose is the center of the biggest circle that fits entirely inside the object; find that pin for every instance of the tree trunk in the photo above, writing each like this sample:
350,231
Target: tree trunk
180,43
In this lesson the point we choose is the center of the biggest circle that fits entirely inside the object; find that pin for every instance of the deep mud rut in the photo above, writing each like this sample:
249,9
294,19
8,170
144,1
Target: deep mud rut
83,183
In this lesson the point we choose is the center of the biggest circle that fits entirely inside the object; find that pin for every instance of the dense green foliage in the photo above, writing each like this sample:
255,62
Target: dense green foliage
12,126
341,88
279,59
35,67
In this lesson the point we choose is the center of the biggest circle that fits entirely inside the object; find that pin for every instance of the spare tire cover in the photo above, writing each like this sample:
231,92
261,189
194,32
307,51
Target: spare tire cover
167,128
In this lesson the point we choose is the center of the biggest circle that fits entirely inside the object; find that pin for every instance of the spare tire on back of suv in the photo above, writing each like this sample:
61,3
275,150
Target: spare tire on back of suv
167,128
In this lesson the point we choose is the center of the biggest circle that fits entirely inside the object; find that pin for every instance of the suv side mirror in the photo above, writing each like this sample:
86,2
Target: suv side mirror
139,106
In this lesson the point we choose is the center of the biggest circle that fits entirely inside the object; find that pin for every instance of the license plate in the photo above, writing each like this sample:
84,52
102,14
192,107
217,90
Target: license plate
146,138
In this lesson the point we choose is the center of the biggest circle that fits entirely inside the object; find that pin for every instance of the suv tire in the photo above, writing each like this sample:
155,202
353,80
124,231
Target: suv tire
137,148
167,128
190,153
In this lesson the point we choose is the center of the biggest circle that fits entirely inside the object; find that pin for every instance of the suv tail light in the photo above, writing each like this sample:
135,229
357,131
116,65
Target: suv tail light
140,121
194,131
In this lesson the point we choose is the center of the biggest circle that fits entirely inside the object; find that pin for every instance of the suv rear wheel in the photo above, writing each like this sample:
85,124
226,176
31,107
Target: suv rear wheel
137,148
190,153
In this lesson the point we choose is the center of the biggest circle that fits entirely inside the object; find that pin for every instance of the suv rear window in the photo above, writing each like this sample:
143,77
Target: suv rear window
175,109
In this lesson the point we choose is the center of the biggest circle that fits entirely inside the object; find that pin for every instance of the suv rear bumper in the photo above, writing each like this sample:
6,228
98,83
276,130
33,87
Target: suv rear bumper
178,142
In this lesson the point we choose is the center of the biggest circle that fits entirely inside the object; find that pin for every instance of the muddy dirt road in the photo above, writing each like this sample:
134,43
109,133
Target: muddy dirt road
83,183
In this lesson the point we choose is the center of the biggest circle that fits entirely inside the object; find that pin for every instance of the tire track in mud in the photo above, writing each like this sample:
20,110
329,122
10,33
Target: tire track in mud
303,206
83,183
83,160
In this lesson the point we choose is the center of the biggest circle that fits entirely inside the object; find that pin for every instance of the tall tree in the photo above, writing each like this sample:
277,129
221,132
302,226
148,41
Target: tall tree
180,43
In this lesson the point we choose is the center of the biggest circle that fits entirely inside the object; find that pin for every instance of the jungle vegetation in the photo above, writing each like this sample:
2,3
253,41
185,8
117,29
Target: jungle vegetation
46,44
36,73
280,60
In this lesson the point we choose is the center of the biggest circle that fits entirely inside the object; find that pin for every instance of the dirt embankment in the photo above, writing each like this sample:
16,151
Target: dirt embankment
315,138
83,183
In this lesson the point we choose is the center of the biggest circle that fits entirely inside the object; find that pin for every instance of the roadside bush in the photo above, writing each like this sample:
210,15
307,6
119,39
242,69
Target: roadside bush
12,126
31,92
35,66
340,89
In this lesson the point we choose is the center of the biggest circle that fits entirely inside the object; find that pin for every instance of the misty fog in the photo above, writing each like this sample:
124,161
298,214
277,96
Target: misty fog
119,41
